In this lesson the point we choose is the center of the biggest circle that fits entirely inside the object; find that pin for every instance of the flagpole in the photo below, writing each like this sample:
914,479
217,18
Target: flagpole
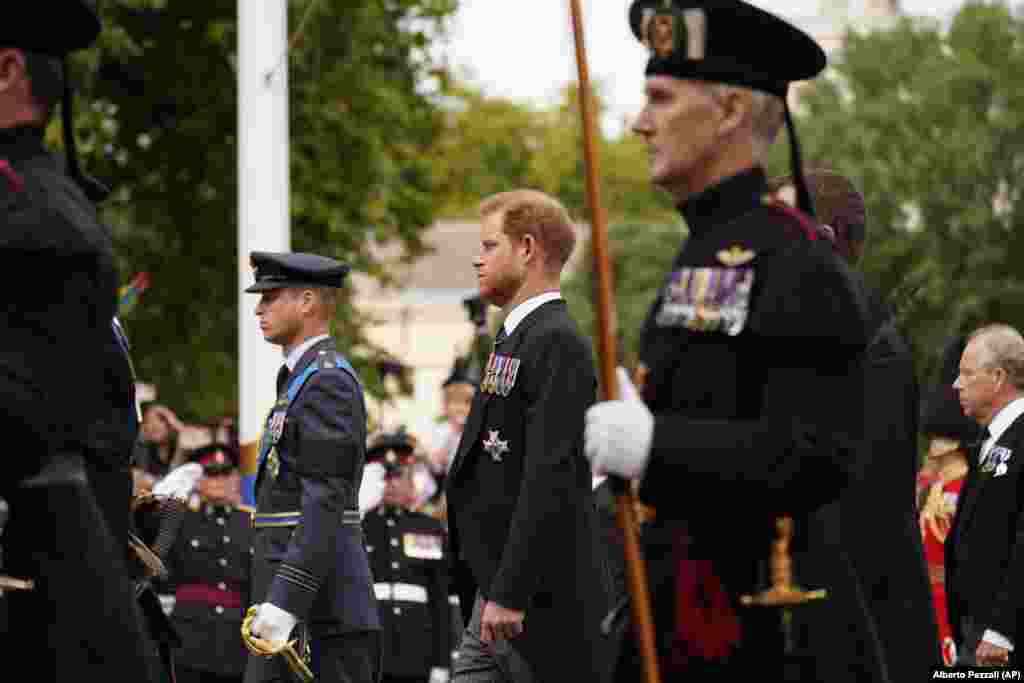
636,570
263,204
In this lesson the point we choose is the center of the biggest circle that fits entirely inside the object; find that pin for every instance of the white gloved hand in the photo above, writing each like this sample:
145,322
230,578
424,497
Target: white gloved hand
273,624
180,482
371,490
617,438
438,675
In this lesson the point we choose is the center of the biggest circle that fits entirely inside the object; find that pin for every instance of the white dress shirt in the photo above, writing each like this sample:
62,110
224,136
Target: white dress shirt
517,314
292,359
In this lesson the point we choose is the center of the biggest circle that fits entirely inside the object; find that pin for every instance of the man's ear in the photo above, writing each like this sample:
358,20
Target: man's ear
735,105
12,68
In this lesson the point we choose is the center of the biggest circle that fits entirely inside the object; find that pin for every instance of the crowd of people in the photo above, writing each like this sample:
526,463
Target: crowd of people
769,435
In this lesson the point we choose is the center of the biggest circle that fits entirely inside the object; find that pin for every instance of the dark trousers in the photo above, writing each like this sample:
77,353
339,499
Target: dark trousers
336,658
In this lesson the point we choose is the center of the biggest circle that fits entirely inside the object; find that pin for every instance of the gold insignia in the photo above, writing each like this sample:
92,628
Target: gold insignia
662,36
667,30
735,256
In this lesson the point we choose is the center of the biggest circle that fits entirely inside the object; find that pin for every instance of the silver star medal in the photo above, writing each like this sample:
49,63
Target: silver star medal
494,446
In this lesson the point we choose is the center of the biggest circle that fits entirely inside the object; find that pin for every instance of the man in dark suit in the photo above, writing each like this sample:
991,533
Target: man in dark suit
65,377
310,565
759,321
528,569
985,548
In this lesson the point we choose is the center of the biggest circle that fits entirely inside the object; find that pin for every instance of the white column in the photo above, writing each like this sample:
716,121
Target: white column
263,201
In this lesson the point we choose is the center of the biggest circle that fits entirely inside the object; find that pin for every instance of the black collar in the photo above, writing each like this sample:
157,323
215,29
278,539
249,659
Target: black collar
725,201
21,142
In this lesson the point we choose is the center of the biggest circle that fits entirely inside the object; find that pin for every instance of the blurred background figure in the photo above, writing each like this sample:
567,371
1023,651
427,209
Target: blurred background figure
410,571
209,569
165,442
456,398
949,434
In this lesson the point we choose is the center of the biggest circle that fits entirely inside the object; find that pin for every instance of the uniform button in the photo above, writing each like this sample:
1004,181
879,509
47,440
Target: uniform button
394,542
391,522
220,520
222,562
227,539
394,565
369,548
398,610
218,609
223,586
195,542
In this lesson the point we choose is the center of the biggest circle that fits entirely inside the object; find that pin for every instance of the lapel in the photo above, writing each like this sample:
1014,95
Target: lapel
977,479
478,410
304,361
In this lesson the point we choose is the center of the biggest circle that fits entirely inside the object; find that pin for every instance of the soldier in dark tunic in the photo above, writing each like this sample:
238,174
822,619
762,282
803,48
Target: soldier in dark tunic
310,565
410,571
752,392
209,568
65,375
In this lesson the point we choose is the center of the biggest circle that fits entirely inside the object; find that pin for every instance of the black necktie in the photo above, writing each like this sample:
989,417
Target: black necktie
500,337
282,378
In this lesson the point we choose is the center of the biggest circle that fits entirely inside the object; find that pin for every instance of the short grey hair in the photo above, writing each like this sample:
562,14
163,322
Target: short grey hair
1002,346
766,111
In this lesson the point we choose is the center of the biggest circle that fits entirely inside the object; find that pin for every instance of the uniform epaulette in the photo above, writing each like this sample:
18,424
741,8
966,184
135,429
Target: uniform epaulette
13,178
327,359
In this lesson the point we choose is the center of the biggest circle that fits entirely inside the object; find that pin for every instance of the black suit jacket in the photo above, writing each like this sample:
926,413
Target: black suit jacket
523,529
985,548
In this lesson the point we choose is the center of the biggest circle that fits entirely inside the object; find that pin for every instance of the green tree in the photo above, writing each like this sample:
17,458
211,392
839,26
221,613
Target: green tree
162,131
930,123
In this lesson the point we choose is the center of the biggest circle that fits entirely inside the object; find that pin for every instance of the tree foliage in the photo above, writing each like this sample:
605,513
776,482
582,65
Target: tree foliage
930,124
161,129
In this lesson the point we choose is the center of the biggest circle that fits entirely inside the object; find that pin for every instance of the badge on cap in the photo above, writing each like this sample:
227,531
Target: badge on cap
668,29
735,255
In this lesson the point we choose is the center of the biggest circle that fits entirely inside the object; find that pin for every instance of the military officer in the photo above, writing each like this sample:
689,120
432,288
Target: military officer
410,571
209,567
310,565
65,377
758,322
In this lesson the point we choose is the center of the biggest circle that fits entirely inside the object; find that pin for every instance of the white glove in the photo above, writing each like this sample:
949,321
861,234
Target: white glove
438,675
180,482
371,490
617,438
273,624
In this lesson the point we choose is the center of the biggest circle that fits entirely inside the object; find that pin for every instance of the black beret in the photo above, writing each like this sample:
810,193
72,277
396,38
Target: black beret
277,270
55,27
216,458
724,41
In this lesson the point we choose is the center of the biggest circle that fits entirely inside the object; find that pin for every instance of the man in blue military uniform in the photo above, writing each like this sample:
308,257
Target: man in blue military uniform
65,376
410,570
310,565
752,392
209,567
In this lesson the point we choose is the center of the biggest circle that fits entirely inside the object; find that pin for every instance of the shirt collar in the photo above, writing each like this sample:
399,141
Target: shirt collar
1003,419
292,359
517,314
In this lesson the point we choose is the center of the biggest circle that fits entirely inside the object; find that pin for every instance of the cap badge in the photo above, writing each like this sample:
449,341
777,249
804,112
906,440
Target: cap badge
667,30
735,256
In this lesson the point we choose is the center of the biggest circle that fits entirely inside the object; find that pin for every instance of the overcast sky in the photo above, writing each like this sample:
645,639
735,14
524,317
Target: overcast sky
523,49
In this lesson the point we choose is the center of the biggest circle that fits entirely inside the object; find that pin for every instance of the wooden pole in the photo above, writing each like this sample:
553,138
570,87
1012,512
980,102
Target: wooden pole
643,621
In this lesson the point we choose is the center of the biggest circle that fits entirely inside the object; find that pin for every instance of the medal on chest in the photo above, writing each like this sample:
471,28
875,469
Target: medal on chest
422,546
271,435
500,374
707,299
